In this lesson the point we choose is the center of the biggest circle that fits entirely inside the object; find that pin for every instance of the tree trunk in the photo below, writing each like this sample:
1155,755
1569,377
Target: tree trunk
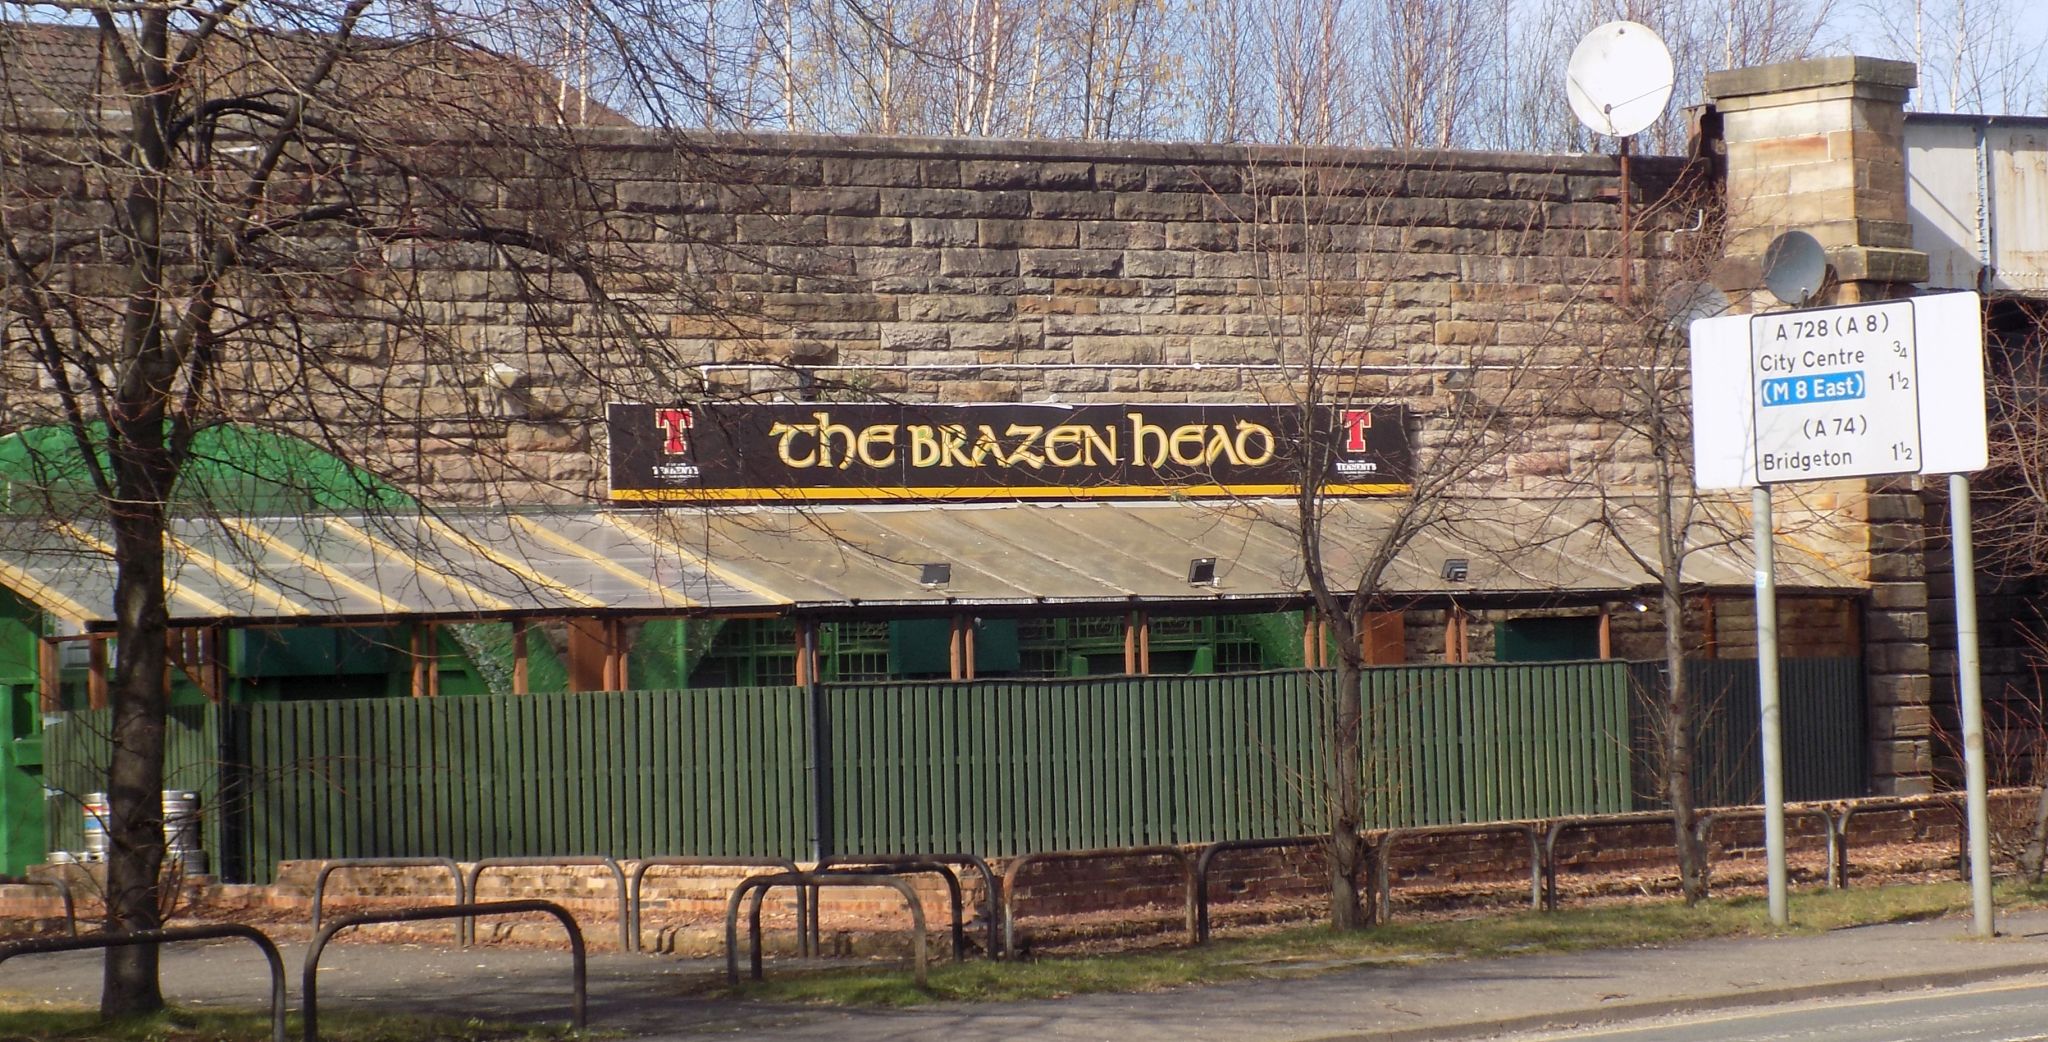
1348,903
135,774
1678,756
2036,850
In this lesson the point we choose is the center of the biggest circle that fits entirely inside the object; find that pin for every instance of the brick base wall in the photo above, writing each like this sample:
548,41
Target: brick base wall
1463,868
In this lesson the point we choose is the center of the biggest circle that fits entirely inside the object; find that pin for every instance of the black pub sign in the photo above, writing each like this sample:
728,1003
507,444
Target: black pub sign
844,452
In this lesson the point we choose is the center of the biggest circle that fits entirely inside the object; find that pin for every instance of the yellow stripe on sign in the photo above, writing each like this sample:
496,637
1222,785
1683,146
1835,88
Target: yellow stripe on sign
505,561
208,607
457,586
723,575
315,565
570,546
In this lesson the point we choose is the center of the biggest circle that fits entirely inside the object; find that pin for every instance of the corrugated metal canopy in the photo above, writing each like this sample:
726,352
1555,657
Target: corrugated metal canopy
855,558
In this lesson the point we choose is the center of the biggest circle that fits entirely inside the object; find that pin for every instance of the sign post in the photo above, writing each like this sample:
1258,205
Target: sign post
1818,394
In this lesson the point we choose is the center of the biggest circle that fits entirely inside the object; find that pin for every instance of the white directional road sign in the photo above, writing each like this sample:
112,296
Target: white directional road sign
1891,387
1835,392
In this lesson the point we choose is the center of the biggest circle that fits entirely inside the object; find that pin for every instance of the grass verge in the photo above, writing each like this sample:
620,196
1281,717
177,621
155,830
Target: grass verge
1310,950
79,1025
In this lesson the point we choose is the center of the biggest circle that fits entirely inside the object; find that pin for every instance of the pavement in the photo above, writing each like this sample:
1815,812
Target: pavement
661,997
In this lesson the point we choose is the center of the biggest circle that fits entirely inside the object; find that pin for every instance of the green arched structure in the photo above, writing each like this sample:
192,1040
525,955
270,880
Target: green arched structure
232,470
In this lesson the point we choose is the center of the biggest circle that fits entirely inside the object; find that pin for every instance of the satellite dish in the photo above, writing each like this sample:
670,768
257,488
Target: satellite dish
1688,302
1795,266
1619,79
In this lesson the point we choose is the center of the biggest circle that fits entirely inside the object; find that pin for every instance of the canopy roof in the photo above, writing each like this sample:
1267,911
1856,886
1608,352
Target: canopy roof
851,559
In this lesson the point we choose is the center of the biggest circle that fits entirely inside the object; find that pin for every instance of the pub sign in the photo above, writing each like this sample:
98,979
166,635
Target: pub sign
833,451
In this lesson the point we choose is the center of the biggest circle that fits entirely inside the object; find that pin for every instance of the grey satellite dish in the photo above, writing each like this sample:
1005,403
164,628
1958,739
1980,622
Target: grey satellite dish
1688,302
1619,79
1795,266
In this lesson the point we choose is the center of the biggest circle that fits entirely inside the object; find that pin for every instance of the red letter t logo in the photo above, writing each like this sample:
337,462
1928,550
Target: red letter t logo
1356,423
673,422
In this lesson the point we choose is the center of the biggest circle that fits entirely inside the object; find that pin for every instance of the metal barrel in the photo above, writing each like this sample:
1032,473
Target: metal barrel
95,813
182,840
182,835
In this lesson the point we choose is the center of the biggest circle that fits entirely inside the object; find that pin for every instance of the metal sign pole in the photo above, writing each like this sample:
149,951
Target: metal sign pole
1970,685
1767,696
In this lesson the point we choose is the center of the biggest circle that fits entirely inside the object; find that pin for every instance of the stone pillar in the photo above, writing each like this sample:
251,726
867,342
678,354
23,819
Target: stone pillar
1818,146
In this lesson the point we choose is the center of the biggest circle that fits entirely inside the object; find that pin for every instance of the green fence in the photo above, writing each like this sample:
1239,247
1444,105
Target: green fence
991,767
1492,743
1822,720
1006,768
75,751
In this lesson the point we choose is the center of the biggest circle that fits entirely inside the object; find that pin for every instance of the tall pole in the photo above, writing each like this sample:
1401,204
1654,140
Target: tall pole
1970,688
1767,697
1627,226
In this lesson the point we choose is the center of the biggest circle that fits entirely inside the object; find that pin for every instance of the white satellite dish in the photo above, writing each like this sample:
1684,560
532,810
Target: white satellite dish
1619,79
1795,267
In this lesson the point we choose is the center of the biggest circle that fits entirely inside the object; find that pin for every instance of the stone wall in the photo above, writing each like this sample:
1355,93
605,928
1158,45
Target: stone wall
978,271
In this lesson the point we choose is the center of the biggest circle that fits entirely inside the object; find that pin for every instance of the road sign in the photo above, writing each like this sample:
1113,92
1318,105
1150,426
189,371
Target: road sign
1835,392
1841,392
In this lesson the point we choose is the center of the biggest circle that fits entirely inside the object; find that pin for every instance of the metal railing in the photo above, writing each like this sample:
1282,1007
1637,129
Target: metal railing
63,889
36,945
309,979
347,864
1016,868
758,886
476,873
806,939
991,885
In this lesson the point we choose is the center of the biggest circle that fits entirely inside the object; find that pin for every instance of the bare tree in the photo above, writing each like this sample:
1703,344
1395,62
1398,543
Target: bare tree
1340,261
300,219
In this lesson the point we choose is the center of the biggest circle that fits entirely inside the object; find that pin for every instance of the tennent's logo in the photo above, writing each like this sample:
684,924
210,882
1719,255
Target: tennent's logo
1354,423
675,425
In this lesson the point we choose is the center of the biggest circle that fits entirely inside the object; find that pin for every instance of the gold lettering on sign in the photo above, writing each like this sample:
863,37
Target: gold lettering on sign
1246,429
785,433
1026,453
827,431
877,446
924,446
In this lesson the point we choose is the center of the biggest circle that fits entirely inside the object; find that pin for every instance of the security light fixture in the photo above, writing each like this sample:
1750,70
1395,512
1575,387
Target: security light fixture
1202,571
1455,569
935,573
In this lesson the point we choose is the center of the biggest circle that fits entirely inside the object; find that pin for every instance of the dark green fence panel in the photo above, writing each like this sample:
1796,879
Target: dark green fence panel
720,771
1454,744
1821,701
991,767
1010,767
76,748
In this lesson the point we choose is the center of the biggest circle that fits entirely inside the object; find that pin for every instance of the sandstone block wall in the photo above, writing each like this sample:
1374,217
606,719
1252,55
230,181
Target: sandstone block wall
975,271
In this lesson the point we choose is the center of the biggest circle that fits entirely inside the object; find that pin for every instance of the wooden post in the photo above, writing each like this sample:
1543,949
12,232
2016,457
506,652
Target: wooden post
1606,634
433,660
520,678
1131,643
96,673
967,646
216,653
1145,643
1710,621
419,662
614,655
1455,650
49,676
956,667
1311,648
806,649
